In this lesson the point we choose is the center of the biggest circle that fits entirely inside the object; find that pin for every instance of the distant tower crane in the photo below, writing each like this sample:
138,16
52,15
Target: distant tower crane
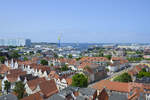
59,38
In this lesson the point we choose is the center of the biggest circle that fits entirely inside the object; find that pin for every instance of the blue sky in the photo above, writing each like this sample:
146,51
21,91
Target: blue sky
76,20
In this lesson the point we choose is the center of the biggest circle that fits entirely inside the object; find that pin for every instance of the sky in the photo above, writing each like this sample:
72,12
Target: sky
92,21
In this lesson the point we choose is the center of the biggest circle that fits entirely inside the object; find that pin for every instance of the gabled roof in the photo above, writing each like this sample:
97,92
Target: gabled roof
120,59
53,74
40,67
3,69
103,95
48,88
15,71
69,80
14,76
35,96
86,64
113,86
33,83
134,90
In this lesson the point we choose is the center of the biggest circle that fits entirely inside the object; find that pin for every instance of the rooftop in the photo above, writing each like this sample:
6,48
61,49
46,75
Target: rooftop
114,86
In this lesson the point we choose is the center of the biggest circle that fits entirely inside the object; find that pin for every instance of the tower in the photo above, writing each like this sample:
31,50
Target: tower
59,41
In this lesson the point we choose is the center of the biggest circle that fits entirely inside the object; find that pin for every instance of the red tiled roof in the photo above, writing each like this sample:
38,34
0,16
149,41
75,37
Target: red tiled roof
33,83
114,86
35,96
14,76
84,64
25,62
3,69
53,74
122,87
15,71
69,80
138,68
116,58
48,88
40,67
120,59
99,59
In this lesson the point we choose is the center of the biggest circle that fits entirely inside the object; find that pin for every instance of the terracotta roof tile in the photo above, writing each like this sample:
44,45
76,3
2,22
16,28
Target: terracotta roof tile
116,58
53,74
114,86
4,69
88,59
48,88
90,65
33,83
15,71
35,96
69,80
14,76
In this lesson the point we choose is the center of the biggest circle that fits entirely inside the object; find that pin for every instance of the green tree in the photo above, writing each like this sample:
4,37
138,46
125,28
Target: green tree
140,74
25,58
133,59
7,86
64,68
77,59
125,77
1,76
70,56
61,57
108,56
39,51
55,55
143,69
79,80
2,59
15,54
101,50
100,54
31,52
107,70
52,65
139,52
44,62
19,89
11,47
143,73
87,67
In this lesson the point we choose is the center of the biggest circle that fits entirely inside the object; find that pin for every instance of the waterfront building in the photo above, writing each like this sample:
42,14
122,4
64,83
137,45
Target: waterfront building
14,42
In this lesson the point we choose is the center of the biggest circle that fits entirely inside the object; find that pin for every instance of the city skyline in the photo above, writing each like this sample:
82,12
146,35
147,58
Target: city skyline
83,21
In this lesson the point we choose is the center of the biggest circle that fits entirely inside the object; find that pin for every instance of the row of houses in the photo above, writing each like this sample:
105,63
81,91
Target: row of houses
114,64
32,72
136,70
34,75
93,67
117,63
